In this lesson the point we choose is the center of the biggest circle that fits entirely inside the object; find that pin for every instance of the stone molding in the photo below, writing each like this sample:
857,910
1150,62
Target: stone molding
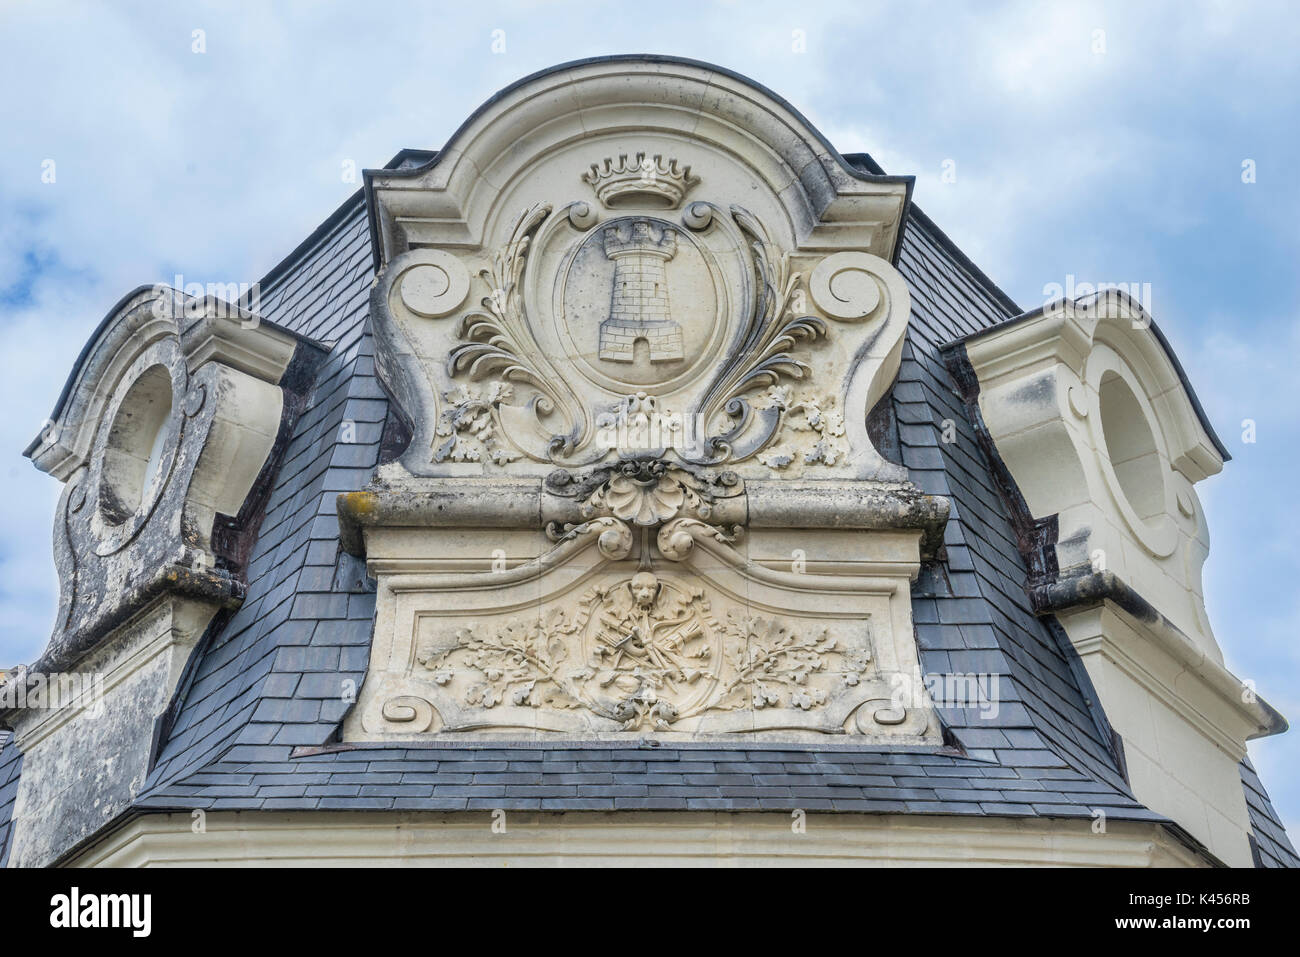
633,838
454,200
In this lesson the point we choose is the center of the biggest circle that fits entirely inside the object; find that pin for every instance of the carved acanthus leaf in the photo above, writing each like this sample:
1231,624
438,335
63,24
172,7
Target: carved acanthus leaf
498,342
467,429
767,354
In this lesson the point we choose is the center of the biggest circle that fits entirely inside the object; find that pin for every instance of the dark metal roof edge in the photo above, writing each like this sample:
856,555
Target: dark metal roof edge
866,161
1185,837
359,198
101,833
834,745
1160,338
866,175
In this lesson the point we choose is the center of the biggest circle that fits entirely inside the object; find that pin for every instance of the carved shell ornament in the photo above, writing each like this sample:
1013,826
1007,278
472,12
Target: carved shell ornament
648,494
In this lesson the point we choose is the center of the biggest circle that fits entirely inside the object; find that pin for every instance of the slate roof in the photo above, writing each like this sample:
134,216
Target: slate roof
1271,845
11,765
269,686
257,715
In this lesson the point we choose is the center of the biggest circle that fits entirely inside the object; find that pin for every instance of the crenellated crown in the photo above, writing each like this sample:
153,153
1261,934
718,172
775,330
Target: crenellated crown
618,182
639,237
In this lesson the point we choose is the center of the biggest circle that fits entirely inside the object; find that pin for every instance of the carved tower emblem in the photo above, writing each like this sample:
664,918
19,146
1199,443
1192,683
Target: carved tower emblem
638,310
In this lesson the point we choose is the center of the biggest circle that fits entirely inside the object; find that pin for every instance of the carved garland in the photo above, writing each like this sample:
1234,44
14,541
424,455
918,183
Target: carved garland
657,658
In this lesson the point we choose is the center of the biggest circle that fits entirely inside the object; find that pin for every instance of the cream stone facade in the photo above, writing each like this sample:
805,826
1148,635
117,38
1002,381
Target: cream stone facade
637,839
606,475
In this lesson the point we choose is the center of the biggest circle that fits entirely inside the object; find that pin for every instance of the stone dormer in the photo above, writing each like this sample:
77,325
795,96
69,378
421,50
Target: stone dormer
640,496
167,424
1103,441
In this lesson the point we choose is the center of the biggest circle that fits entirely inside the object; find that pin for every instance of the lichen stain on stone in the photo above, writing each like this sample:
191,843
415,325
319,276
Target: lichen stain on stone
1039,391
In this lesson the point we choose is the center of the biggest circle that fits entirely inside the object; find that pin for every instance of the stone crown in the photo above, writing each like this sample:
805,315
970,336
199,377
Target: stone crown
618,181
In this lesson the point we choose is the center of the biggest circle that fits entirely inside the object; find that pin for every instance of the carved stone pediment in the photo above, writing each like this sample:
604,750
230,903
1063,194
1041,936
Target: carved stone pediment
630,306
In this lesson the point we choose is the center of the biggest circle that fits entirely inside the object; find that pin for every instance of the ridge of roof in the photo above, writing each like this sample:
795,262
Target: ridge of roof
336,219
945,242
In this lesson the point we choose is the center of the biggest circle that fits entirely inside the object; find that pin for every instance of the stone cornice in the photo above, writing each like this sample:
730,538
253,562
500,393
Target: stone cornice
645,838
528,504
208,330
1256,716
447,201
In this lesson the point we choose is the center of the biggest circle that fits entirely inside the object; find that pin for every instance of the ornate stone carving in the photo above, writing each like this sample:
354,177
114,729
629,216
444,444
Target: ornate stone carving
434,284
651,493
644,653
652,384
843,287
737,414
468,426
638,311
812,432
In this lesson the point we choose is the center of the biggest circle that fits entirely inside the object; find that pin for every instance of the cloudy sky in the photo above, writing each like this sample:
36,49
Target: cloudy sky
1100,140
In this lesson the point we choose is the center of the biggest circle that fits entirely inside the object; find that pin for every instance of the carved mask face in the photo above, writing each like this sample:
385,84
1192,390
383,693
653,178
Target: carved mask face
645,587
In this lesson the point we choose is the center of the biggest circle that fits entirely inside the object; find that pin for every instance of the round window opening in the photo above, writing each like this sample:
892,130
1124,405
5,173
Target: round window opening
134,451
1132,448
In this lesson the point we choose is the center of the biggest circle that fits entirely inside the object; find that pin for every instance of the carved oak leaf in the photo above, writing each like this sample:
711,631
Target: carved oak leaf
483,695
810,416
521,694
467,424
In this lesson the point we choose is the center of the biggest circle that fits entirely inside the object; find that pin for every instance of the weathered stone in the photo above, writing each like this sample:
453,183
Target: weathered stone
641,495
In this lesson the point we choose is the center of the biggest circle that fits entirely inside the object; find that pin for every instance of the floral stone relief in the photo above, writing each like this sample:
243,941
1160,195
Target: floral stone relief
644,653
